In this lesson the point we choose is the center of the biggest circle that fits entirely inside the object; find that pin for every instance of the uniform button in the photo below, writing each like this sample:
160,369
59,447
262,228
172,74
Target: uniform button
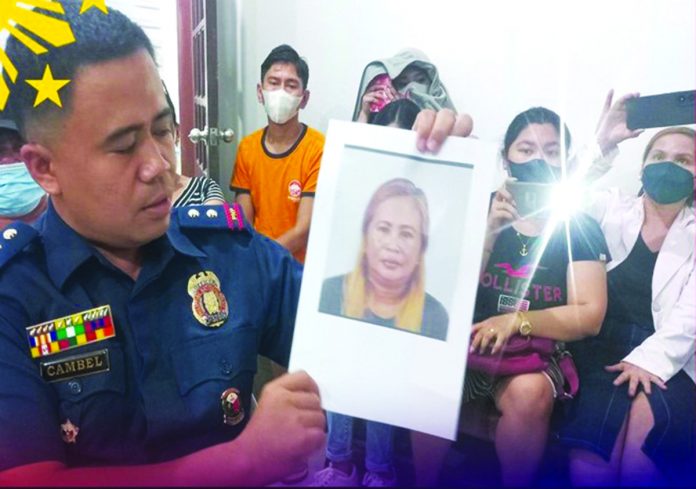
9,233
75,387
225,367
656,307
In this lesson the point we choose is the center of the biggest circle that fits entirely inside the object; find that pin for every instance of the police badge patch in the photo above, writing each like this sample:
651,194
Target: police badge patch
232,409
209,304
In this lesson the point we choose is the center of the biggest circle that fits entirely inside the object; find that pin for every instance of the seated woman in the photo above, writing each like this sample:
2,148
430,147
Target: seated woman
409,74
633,420
540,276
21,198
198,190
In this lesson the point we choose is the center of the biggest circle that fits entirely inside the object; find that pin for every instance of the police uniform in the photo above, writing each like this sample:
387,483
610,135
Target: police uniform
98,369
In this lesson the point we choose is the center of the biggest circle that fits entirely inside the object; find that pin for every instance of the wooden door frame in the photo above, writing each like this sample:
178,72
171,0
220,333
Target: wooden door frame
185,48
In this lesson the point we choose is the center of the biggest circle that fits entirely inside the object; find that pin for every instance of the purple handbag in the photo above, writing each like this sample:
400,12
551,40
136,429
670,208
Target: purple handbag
526,354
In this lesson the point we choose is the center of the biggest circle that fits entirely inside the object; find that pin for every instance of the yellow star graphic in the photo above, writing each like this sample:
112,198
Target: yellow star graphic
47,88
88,4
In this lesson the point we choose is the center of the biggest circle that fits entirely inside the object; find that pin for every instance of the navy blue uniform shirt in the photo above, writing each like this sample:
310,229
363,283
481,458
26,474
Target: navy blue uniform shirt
161,395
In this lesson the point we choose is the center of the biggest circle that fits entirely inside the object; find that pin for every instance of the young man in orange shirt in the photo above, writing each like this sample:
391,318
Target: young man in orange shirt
275,174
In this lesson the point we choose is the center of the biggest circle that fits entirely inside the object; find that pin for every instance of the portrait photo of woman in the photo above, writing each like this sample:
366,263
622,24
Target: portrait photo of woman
387,285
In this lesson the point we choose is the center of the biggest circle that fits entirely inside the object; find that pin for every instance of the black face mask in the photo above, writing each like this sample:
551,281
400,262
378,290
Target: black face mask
534,171
667,182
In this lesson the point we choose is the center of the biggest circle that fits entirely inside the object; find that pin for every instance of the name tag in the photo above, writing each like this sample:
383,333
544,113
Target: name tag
76,366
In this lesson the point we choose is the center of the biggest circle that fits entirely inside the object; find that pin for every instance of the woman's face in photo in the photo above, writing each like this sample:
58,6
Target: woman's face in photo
394,242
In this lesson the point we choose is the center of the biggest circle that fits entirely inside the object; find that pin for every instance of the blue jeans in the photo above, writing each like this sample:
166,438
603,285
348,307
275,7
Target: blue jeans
379,446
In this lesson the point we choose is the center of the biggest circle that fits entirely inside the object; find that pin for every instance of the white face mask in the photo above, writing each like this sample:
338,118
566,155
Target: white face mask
280,105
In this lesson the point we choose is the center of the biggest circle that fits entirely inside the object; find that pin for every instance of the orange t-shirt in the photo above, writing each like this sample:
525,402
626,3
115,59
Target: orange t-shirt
277,182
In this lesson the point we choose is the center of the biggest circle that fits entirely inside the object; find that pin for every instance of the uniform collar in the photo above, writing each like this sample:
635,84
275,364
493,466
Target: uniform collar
66,250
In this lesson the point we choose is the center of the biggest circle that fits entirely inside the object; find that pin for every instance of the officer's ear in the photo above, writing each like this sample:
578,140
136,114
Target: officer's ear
39,161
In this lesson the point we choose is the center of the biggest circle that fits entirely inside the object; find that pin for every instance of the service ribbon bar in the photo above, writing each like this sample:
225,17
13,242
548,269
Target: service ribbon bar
66,333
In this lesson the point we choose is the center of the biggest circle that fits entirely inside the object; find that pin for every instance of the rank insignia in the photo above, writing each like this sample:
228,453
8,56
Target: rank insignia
209,304
68,432
232,409
66,333
234,216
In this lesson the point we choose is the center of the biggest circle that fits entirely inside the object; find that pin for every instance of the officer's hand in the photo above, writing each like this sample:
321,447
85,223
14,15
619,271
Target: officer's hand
286,428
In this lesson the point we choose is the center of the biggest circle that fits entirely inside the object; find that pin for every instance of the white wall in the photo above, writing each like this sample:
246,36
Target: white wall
496,57
158,20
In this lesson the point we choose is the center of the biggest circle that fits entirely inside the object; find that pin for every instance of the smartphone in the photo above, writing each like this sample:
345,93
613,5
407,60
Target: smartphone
667,109
382,81
530,197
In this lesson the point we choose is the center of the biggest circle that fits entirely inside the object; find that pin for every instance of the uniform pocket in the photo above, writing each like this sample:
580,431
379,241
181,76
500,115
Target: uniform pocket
111,379
219,358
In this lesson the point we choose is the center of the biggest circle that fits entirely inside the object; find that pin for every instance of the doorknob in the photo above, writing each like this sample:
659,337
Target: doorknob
211,136
227,136
196,135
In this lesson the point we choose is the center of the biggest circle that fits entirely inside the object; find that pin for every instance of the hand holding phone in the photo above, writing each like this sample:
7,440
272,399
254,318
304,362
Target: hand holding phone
667,109
530,197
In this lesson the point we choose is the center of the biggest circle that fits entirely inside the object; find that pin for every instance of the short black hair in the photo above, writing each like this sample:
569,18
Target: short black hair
286,54
403,112
535,115
98,38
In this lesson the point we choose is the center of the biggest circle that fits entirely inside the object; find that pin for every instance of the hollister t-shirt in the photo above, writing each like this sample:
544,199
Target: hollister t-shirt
527,273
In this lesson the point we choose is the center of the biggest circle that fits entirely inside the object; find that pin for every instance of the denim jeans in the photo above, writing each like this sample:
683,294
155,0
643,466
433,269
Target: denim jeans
379,446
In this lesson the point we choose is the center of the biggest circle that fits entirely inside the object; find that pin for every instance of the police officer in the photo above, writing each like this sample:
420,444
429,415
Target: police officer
143,326
129,335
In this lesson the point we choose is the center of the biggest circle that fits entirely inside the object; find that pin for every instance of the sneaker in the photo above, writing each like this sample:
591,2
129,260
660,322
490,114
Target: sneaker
379,479
297,477
333,477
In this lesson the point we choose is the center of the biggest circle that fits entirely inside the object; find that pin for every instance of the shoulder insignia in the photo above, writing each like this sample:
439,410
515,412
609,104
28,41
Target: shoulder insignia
212,217
13,239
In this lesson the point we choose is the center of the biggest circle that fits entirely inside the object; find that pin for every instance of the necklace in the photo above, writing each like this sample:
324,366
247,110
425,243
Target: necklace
524,251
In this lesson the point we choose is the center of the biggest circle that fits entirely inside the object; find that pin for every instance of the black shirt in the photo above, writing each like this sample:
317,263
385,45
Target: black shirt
630,287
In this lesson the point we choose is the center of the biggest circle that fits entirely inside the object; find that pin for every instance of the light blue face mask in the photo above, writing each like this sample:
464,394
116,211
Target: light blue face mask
19,193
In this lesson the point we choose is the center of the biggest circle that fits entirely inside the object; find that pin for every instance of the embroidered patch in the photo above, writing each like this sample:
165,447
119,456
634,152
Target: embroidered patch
66,333
76,366
232,409
234,216
295,191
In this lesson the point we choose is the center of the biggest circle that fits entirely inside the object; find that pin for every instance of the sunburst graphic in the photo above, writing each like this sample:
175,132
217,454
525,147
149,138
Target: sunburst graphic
44,31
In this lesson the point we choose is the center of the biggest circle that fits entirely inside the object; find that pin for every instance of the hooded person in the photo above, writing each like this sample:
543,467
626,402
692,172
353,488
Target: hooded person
408,74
